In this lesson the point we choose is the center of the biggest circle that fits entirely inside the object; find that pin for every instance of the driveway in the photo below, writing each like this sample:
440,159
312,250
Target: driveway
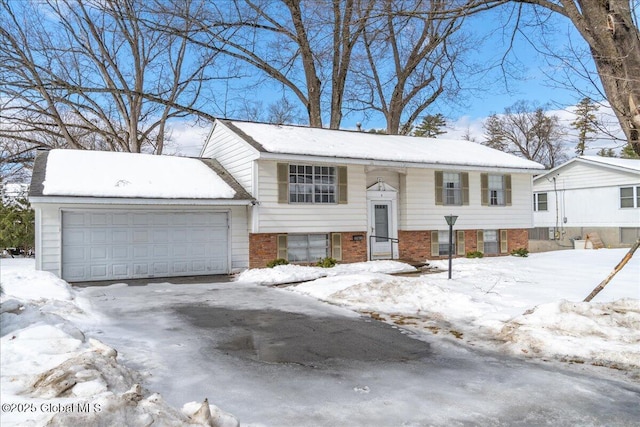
275,358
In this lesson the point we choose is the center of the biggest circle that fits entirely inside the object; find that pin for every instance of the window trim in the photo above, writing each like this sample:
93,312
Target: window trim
441,190
485,197
634,197
340,186
536,202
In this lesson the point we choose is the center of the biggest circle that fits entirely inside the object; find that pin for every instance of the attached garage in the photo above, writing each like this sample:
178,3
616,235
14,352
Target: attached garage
115,245
189,226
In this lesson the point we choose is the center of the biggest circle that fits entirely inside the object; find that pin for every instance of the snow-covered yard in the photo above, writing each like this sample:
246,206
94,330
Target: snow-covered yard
53,367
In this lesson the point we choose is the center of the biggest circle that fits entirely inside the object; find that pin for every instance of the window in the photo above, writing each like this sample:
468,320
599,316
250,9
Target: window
452,192
496,190
452,188
539,233
628,235
630,197
540,202
312,184
491,246
307,247
443,243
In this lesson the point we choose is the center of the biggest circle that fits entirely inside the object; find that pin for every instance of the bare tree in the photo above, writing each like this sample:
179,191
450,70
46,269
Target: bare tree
527,131
410,51
305,47
92,74
610,29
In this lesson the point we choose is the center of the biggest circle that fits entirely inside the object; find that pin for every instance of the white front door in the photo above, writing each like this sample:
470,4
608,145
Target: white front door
380,219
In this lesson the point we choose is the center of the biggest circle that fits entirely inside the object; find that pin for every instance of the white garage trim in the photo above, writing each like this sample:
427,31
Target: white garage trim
108,244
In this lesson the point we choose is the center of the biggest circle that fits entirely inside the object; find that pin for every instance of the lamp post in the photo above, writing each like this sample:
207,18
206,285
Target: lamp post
451,220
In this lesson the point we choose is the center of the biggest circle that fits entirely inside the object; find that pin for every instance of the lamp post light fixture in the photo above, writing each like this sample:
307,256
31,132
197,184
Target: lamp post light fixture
451,220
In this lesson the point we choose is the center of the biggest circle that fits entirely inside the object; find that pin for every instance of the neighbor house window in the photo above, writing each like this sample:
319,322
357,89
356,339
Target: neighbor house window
496,189
312,184
307,247
629,235
630,197
452,188
540,202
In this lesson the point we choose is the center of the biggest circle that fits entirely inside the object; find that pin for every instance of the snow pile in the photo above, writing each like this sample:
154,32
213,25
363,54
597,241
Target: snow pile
606,334
291,273
112,174
51,373
523,303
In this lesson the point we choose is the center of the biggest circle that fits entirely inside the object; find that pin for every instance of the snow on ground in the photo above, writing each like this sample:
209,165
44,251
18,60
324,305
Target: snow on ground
527,306
51,372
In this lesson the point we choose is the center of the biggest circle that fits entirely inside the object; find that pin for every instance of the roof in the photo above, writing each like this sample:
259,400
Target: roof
299,140
614,163
107,174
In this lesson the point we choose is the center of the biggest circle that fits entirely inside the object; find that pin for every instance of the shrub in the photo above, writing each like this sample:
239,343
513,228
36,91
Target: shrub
475,254
277,261
522,252
327,262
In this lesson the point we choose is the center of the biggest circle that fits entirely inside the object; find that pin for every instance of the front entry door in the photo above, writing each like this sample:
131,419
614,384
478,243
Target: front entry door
380,226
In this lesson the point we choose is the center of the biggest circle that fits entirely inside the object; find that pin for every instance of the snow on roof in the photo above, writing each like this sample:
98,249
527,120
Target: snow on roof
115,174
633,164
367,146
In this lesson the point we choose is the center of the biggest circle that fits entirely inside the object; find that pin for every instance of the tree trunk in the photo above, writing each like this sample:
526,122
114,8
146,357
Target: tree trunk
615,271
608,28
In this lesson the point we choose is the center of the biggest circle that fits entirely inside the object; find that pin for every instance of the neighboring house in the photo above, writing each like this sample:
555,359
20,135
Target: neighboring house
356,196
106,215
10,192
587,194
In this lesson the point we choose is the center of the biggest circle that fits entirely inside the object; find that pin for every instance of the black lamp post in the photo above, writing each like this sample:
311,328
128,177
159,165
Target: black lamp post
451,220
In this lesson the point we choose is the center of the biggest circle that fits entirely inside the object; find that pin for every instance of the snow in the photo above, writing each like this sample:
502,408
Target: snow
57,369
633,164
358,145
115,174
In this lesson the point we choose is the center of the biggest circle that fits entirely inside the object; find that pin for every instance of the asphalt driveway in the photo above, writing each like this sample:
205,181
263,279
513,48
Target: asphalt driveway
275,358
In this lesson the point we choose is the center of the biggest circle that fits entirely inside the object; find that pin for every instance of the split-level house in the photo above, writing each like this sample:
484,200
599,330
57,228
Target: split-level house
260,192
586,195
358,196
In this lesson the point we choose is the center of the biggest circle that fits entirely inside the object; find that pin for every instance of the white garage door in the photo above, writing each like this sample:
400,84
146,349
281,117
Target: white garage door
103,245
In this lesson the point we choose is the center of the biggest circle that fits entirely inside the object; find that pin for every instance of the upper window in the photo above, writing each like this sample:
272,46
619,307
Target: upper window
496,189
452,192
452,188
312,184
540,202
630,197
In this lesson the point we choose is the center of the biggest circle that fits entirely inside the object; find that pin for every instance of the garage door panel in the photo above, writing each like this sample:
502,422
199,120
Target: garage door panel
108,245
99,253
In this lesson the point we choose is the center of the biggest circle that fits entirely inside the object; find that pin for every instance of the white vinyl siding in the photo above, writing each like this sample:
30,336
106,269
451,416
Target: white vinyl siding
586,195
418,212
274,217
236,156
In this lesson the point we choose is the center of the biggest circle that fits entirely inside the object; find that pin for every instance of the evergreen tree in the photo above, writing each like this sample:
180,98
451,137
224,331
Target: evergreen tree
17,228
606,152
628,153
431,126
585,123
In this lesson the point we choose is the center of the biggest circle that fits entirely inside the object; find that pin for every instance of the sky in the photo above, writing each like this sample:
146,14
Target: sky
528,79
510,328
